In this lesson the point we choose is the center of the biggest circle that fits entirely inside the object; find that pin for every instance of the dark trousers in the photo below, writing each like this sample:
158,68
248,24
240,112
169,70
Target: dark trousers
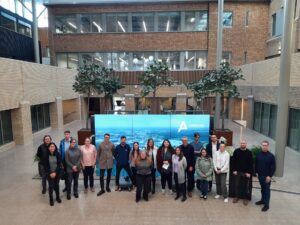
190,180
180,188
265,190
143,183
43,175
204,187
72,176
241,185
108,176
221,184
66,173
127,169
133,170
166,177
88,175
153,179
53,184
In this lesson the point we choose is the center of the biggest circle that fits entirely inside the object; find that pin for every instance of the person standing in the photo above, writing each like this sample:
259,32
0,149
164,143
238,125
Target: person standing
42,154
73,158
143,175
152,152
179,165
242,167
197,144
164,164
212,147
52,165
63,147
221,167
265,168
106,162
121,155
188,152
134,153
88,163
204,171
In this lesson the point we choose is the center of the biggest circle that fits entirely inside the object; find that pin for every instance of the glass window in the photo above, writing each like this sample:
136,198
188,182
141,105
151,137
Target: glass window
201,59
247,18
99,59
202,20
118,61
257,116
138,61
47,115
8,21
226,57
111,23
19,8
189,60
194,60
277,23
294,129
40,117
190,21
73,61
8,4
65,24
117,23
169,21
34,122
85,23
61,59
96,23
87,58
227,19
6,133
142,22
273,117
24,28
265,116
171,58
148,59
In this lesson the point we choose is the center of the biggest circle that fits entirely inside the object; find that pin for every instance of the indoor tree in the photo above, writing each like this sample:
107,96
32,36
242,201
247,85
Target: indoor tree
220,81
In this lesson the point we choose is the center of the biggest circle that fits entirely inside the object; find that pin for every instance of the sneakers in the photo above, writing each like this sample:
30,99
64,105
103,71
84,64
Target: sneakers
205,197
163,191
100,192
217,196
117,188
259,202
201,196
235,200
265,208
183,199
226,200
170,192
92,189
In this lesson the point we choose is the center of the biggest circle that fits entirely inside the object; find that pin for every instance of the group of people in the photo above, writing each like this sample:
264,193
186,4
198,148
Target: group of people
179,165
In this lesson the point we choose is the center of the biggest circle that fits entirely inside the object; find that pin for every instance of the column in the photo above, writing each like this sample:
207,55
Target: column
250,111
56,114
181,102
21,124
129,102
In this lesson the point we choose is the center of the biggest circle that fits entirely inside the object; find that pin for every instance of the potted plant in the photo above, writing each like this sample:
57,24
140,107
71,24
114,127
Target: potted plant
255,150
154,77
219,81
94,79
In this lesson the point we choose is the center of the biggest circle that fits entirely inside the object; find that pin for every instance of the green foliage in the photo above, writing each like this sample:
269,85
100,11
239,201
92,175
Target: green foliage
221,80
255,150
155,76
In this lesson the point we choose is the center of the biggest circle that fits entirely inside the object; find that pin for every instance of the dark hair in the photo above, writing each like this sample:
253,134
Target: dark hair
52,143
47,135
73,139
137,144
106,134
170,148
122,137
265,141
67,132
181,153
196,134
148,147
203,149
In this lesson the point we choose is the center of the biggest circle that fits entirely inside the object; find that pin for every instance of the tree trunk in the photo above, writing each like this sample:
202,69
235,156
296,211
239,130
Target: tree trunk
88,112
223,112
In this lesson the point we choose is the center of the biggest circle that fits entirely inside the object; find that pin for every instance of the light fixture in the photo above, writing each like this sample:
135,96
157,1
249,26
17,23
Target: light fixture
168,25
191,59
151,58
98,26
144,24
186,54
72,25
135,61
73,59
122,60
168,59
192,19
98,59
120,25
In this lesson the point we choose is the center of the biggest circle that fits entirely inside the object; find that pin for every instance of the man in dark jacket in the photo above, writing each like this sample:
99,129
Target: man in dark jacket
42,154
188,152
63,147
211,149
121,155
242,167
265,167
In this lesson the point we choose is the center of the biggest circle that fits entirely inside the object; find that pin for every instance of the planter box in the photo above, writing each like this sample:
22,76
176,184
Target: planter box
82,134
226,133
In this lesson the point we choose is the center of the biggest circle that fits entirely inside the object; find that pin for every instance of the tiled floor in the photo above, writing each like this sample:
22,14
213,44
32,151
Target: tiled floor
22,203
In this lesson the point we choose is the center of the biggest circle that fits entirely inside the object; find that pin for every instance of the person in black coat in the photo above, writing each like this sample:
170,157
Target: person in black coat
211,149
41,154
52,165
188,152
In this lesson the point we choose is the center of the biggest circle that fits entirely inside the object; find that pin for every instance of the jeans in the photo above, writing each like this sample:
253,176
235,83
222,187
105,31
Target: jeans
166,177
133,170
127,169
53,185
180,188
88,175
265,190
241,185
108,176
204,187
153,179
72,176
221,184
143,183
190,180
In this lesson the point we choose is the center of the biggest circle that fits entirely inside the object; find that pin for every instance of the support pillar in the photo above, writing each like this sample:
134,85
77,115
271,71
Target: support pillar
56,114
21,124
250,111
129,102
181,102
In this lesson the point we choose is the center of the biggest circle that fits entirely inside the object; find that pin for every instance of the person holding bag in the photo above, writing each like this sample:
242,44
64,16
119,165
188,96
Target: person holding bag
164,164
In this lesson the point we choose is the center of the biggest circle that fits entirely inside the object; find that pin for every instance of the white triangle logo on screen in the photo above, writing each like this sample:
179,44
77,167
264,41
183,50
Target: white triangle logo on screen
182,126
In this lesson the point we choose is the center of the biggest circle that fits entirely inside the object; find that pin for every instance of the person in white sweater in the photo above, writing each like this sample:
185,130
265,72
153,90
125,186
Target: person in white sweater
221,167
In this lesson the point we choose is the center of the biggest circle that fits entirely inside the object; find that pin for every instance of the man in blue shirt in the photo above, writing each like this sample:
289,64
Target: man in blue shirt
197,144
121,155
265,167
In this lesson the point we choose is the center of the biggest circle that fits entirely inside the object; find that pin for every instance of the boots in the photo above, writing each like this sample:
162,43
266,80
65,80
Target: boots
51,198
57,196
